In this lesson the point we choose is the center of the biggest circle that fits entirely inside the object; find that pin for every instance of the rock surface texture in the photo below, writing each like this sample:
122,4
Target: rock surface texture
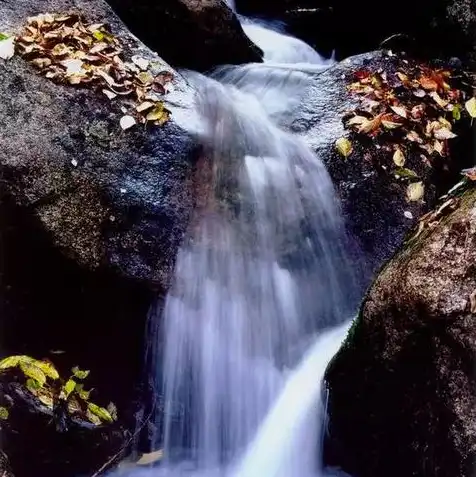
374,204
401,390
197,35
109,198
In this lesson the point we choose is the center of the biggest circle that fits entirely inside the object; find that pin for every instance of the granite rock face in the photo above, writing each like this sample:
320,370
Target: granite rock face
401,390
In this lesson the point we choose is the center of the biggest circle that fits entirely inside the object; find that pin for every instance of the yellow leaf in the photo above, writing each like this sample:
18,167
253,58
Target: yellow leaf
47,368
68,388
100,412
159,114
399,158
438,99
33,372
344,146
10,362
471,107
4,413
79,373
390,124
371,125
415,191
150,458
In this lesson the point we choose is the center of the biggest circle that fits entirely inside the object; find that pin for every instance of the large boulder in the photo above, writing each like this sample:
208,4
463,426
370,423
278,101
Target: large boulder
197,35
109,198
374,203
401,389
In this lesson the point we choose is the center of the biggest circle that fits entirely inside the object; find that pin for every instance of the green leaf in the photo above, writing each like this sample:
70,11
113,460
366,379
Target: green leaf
82,393
100,412
80,374
68,388
47,368
10,362
407,173
4,36
456,112
32,385
4,413
33,372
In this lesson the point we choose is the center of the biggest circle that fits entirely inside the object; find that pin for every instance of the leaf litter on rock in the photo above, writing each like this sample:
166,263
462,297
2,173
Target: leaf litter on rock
68,50
412,109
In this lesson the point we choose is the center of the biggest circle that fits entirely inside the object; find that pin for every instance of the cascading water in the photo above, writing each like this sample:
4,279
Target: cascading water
262,274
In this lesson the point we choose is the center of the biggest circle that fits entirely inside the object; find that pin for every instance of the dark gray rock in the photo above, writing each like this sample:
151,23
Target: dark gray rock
401,390
125,205
197,35
374,204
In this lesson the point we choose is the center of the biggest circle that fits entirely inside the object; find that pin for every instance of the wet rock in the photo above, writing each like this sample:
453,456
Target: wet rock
109,198
197,35
401,390
443,27
374,204
5,470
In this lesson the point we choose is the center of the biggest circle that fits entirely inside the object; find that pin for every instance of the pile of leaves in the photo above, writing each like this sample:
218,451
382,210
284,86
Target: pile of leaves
42,380
409,112
68,50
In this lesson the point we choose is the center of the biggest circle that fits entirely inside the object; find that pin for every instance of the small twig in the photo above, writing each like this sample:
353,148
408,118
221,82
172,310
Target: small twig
118,453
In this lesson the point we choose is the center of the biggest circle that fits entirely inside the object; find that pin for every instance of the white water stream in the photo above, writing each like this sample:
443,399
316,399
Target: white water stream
262,276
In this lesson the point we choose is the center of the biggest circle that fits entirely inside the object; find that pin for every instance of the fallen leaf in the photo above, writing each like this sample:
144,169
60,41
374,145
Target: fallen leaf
470,106
370,125
456,111
142,63
414,137
408,214
438,99
127,122
150,458
439,147
472,302
7,47
390,124
344,146
400,110
470,173
159,114
419,93
73,66
428,83
415,191
356,120
399,157
443,133
406,173
109,93
144,106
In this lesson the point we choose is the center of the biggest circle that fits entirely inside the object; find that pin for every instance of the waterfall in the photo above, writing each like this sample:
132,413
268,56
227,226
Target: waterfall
262,274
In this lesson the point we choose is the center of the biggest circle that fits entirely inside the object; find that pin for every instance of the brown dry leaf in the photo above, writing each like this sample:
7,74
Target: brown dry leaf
403,77
439,147
356,121
414,137
472,303
344,146
370,125
144,106
389,124
428,83
438,99
400,110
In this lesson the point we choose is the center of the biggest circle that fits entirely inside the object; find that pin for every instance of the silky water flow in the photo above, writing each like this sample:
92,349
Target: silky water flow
262,283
